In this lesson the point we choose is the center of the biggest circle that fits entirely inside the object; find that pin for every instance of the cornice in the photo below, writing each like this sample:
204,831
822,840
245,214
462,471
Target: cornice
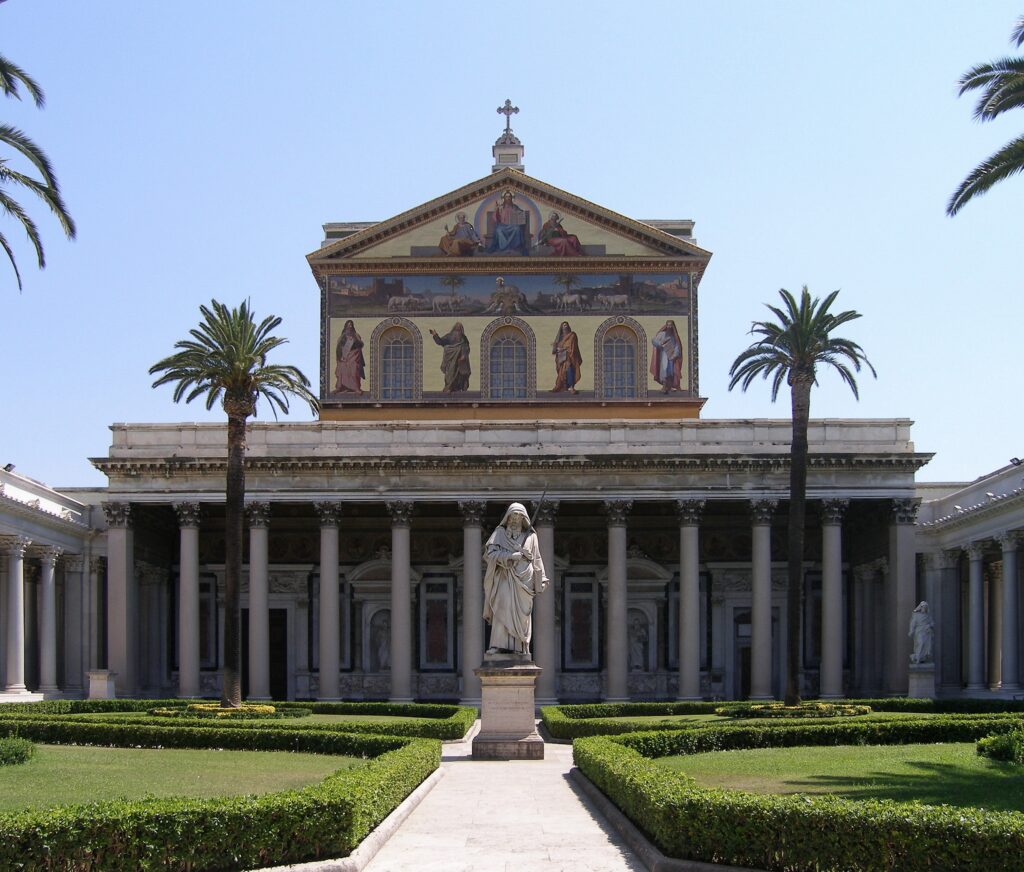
968,515
511,266
186,466
40,515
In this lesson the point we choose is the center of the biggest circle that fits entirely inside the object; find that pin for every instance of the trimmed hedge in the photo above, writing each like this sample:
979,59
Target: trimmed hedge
246,711
797,833
14,750
804,710
1007,746
327,819
577,721
444,722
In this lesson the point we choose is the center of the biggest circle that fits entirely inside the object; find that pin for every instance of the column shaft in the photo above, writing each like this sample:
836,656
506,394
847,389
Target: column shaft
401,608
76,624
689,512
976,620
899,599
188,603
330,616
472,599
122,599
617,654
1011,615
16,616
48,623
259,606
761,613
545,650
831,676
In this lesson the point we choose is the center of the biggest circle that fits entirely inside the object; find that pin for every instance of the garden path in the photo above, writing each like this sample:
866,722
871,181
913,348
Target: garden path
505,817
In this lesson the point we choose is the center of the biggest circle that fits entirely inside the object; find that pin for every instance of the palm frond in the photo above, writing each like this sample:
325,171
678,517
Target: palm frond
12,207
10,77
6,246
1006,162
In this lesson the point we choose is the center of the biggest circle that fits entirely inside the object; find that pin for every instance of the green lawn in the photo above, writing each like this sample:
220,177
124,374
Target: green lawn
932,774
66,774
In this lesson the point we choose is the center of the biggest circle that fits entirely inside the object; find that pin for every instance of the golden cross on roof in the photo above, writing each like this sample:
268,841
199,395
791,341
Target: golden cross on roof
508,110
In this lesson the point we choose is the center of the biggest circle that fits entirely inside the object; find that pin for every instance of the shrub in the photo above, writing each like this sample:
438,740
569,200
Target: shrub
794,832
248,711
325,819
1005,746
14,750
804,710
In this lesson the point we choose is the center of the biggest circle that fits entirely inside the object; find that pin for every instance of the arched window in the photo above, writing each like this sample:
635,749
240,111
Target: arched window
621,352
509,369
395,349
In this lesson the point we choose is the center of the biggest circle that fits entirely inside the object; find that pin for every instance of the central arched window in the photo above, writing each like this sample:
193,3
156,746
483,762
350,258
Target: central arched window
508,369
619,362
395,350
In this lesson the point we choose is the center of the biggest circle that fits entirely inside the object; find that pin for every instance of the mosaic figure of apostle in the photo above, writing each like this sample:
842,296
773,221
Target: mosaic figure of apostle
462,240
566,349
515,575
350,369
667,358
455,358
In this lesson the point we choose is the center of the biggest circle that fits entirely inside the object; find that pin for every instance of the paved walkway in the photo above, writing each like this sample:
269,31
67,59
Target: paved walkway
505,817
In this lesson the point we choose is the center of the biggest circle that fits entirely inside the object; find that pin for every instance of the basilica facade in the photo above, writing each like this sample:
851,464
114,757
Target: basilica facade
508,341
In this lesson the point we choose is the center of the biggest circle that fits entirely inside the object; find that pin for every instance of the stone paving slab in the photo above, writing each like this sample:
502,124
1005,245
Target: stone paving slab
505,816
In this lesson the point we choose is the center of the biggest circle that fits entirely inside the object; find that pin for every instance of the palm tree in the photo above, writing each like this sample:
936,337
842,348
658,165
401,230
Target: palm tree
12,78
453,283
1002,84
226,360
790,349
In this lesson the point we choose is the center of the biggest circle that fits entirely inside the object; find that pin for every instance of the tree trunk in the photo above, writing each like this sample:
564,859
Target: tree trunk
801,395
231,683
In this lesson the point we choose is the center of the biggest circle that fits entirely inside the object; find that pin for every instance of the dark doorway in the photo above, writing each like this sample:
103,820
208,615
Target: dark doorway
278,644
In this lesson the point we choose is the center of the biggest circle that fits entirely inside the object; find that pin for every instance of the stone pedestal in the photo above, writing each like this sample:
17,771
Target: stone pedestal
508,730
101,684
922,681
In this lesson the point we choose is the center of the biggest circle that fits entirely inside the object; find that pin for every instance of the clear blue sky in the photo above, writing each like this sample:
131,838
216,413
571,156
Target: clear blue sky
201,145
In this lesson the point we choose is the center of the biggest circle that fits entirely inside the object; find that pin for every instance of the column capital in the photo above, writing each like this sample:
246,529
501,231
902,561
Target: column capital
761,511
74,563
15,546
1010,539
401,512
976,550
904,511
150,574
473,512
832,511
947,558
616,512
257,514
546,513
328,512
188,514
118,514
49,554
689,512
98,565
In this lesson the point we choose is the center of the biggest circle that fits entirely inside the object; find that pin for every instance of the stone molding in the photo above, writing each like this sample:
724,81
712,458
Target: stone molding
689,512
329,513
617,511
257,514
761,511
15,546
188,514
472,512
120,514
400,512
833,511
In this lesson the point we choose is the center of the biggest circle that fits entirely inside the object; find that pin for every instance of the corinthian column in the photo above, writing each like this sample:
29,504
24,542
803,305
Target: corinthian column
689,514
330,616
16,546
976,617
401,610
1011,612
48,622
831,680
472,598
122,598
899,596
617,662
188,599
761,512
545,653
258,516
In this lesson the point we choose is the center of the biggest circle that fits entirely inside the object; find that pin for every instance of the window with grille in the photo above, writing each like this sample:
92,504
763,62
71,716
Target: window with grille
620,378
396,365
508,375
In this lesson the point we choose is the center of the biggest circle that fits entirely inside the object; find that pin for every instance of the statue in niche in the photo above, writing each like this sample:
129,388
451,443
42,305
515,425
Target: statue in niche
637,644
922,633
380,641
515,575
